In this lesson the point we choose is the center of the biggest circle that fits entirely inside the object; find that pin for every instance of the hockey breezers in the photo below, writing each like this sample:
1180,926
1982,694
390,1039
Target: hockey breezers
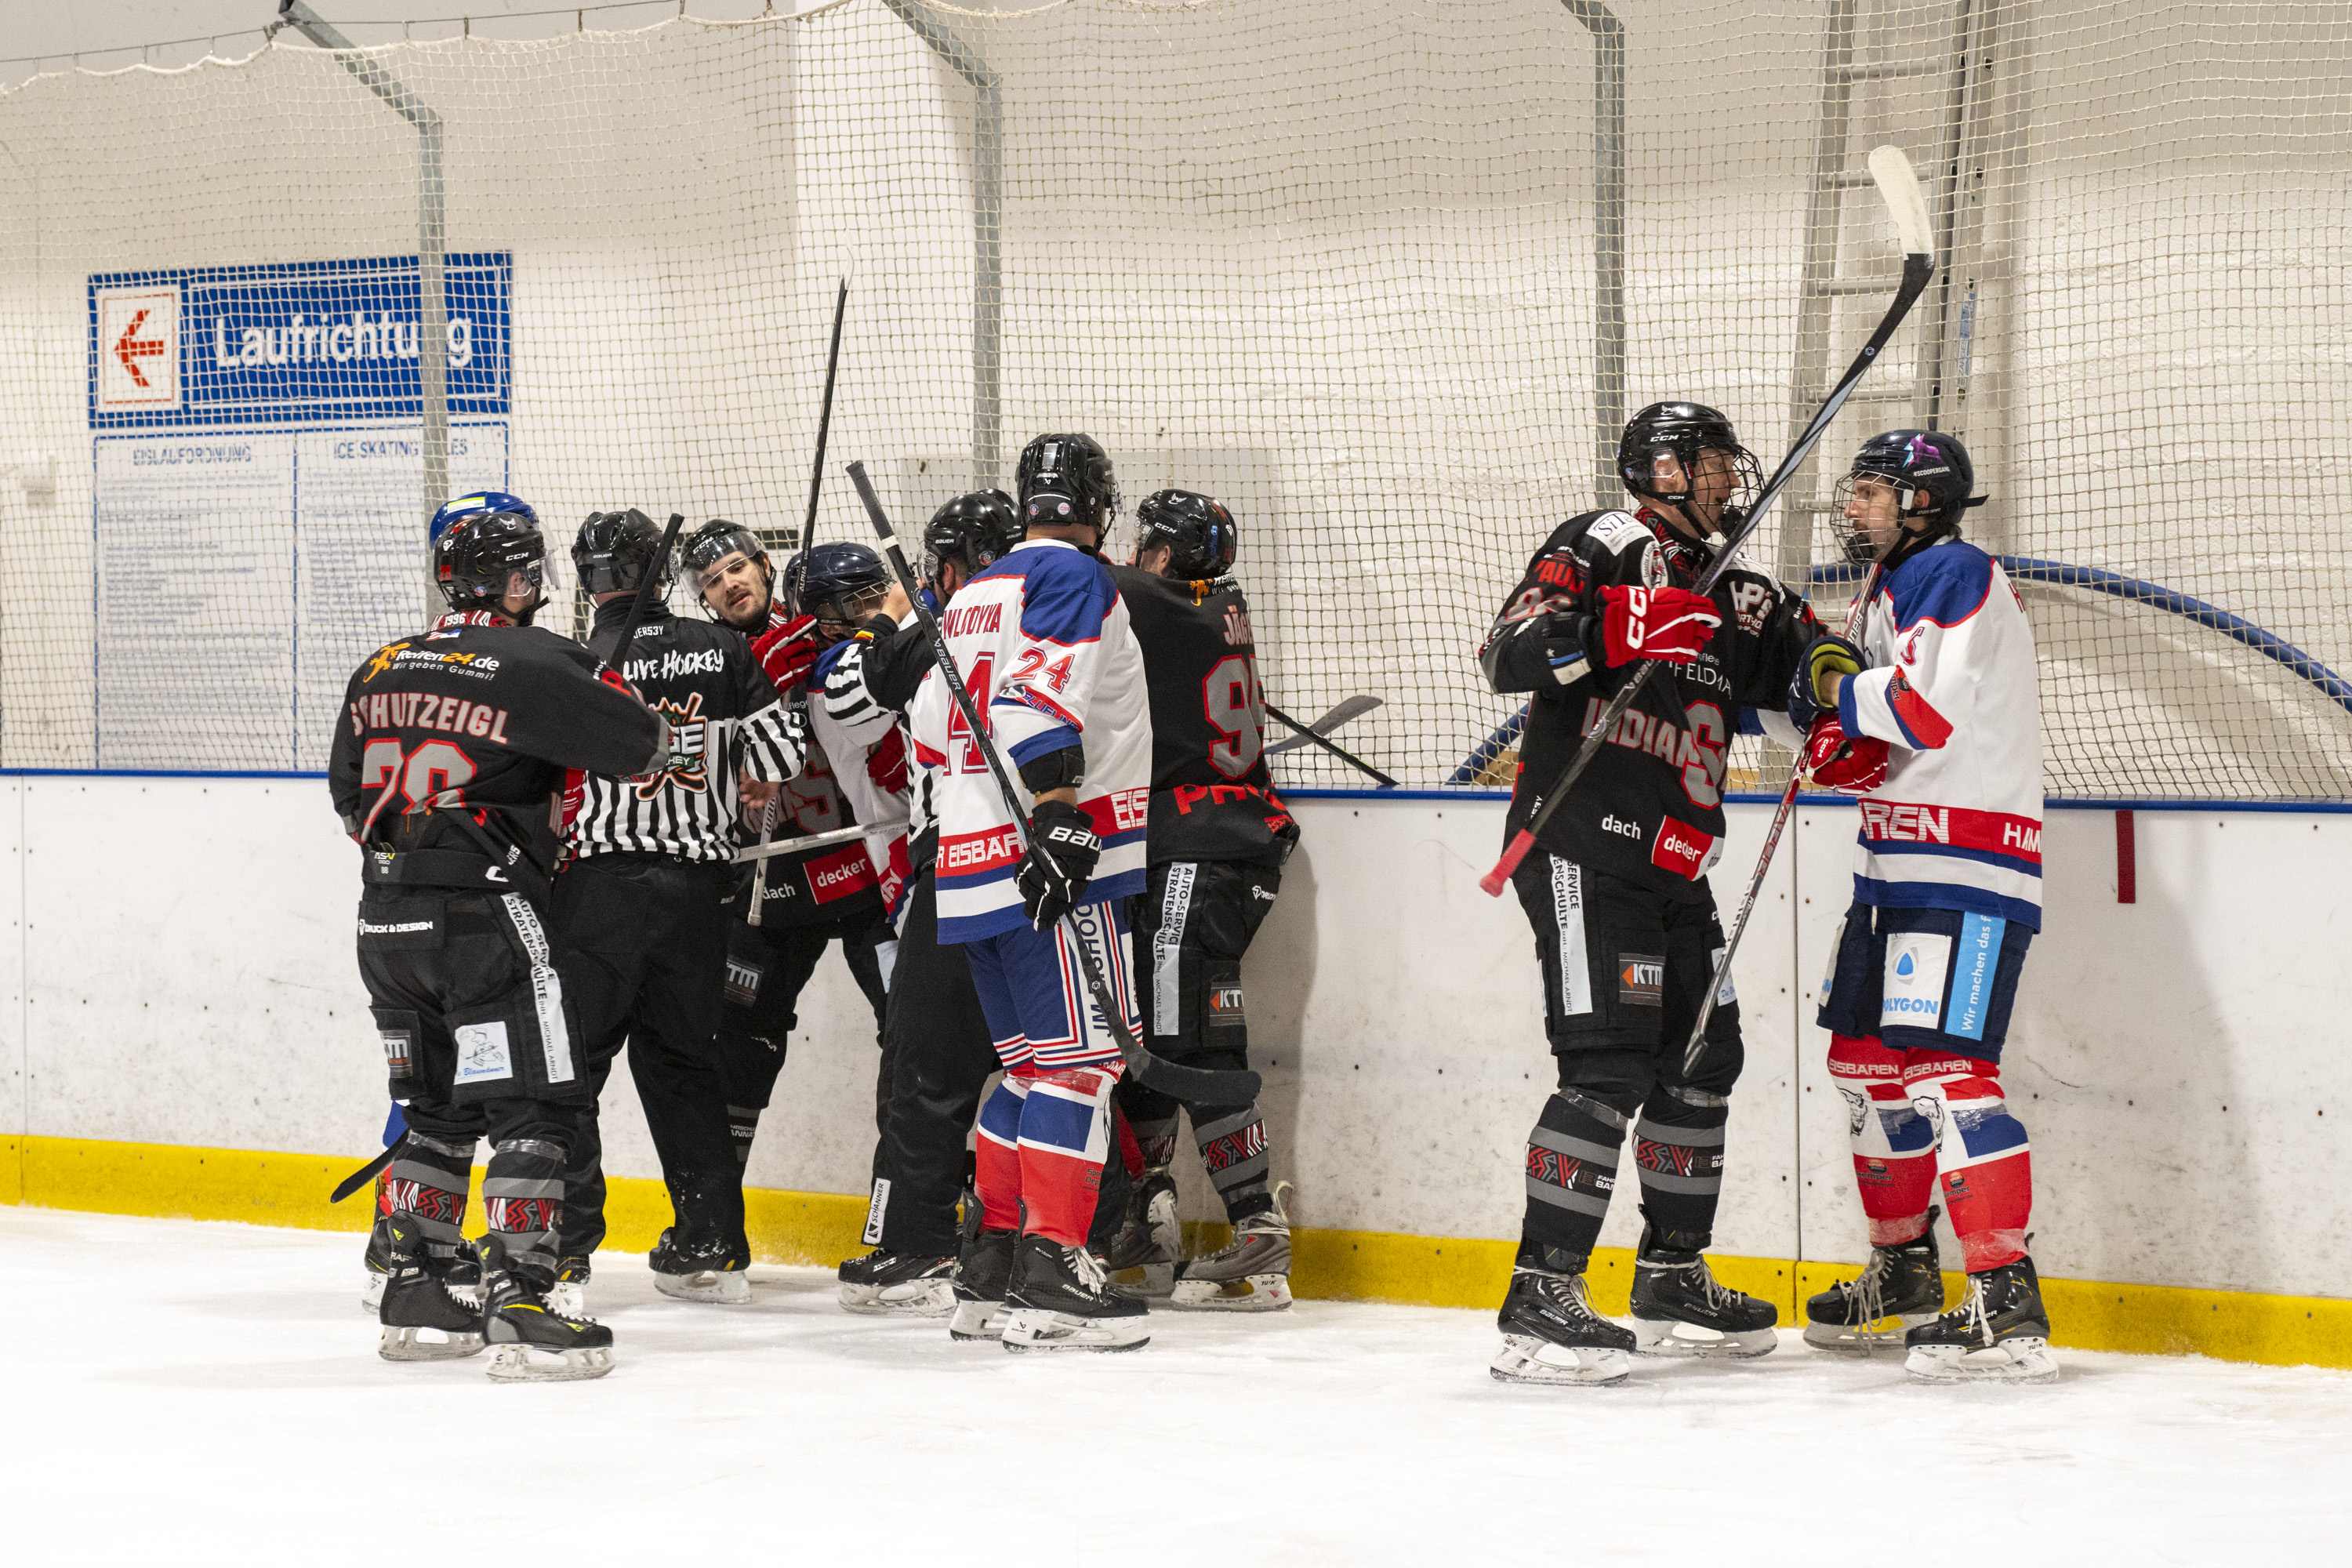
1854,617
1898,186
1198,1085
1315,733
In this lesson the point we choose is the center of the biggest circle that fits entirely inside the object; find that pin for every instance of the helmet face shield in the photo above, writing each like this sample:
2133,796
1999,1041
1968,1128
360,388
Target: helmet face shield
726,570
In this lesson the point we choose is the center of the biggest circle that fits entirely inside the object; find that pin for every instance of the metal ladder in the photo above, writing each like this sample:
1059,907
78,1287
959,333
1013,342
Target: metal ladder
1936,395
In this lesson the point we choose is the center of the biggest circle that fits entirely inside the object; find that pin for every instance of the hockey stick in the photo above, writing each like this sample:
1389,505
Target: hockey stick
759,876
824,415
1307,735
1346,707
1201,1086
824,840
1899,188
1853,616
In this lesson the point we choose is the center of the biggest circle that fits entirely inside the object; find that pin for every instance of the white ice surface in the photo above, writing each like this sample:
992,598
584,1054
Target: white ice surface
173,1391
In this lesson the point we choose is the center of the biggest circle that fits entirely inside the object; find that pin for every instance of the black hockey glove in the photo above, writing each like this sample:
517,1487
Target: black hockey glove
1822,658
1054,874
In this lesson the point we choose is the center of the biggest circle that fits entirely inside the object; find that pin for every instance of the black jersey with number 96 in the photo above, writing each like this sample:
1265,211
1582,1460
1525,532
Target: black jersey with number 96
1212,796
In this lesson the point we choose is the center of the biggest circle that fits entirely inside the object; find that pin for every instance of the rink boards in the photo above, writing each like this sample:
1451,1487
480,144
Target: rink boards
180,1008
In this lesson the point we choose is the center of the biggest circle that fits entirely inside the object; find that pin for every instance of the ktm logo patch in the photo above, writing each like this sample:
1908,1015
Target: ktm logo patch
1641,979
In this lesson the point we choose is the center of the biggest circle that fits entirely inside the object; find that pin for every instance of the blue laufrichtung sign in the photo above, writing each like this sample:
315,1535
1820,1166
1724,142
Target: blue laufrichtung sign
308,343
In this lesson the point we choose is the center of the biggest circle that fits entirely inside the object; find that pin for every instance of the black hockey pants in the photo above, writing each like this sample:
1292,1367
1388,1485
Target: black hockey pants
647,939
1194,922
942,1057
767,966
478,1041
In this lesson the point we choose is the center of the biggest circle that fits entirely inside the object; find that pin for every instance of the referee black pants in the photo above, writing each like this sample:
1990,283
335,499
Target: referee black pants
647,937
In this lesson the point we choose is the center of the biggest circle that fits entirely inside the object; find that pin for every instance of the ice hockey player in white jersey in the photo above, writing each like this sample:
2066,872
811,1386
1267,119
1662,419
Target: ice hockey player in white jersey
1041,640
1934,724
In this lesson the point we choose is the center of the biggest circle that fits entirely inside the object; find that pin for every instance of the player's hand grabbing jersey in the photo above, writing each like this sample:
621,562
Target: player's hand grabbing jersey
1649,809
724,719
480,715
1212,796
1952,690
1043,642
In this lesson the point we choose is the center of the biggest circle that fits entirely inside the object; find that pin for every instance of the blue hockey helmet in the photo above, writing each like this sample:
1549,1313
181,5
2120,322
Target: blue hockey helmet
480,545
481,503
837,584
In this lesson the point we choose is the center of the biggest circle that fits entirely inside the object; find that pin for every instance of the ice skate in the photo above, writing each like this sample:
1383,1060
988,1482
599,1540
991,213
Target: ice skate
1060,1300
891,1284
710,1272
983,1272
1552,1335
1249,1274
1901,1288
1679,1310
422,1320
1999,1333
568,1297
529,1341
1149,1245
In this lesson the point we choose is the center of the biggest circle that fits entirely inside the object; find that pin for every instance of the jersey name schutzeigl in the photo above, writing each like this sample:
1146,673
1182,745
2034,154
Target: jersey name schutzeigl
1212,797
724,720
1043,642
1954,692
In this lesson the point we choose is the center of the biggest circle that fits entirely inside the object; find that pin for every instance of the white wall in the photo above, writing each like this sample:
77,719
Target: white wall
182,974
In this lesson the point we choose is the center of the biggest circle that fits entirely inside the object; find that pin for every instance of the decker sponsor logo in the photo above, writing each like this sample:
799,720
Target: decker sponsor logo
1681,848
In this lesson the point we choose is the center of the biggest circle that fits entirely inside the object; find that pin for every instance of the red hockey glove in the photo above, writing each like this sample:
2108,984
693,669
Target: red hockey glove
785,652
1840,762
1669,624
886,762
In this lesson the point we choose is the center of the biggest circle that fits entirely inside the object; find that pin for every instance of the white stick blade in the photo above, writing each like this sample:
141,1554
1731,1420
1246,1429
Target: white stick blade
1906,203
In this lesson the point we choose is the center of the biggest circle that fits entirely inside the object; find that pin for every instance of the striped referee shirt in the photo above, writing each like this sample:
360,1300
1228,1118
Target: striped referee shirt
724,720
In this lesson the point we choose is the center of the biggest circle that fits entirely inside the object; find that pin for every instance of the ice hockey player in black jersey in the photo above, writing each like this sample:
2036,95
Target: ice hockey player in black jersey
810,900
448,760
642,901
1625,926
1218,838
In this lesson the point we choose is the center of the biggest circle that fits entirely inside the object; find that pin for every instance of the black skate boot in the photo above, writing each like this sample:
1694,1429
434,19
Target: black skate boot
983,1274
422,1320
568,1297
1550,1333
1060,1300
1151,1243
1679,1310
528,1342
895,1284
707,1270
450,1265
1902,1283
1249,1274
1999,1333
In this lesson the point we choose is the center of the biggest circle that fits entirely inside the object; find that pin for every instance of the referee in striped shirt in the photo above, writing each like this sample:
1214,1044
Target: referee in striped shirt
641,903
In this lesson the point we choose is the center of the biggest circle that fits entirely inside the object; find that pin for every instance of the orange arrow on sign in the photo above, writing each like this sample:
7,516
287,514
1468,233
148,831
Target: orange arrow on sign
131,350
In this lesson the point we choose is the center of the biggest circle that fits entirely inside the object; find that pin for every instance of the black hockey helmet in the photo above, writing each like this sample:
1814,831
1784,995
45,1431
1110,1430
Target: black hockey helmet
712,544
975,530
1683,431
1201,534
614,551
1932,478
479,543
837,584
1067,478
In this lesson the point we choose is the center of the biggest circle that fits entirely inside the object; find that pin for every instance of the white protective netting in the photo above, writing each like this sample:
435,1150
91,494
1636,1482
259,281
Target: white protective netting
1345,266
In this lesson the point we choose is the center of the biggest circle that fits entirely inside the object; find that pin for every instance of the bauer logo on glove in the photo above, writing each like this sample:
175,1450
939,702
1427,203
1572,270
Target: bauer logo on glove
1060,862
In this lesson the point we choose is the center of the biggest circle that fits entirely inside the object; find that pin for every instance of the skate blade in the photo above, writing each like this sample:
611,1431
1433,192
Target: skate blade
712,1287
1841,1339
1667,1337
977,1320
1035,1329
1524,1359
530,1364
402,1345
923,1298
1257,1293
2011,1360
1144,1281
566,1299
